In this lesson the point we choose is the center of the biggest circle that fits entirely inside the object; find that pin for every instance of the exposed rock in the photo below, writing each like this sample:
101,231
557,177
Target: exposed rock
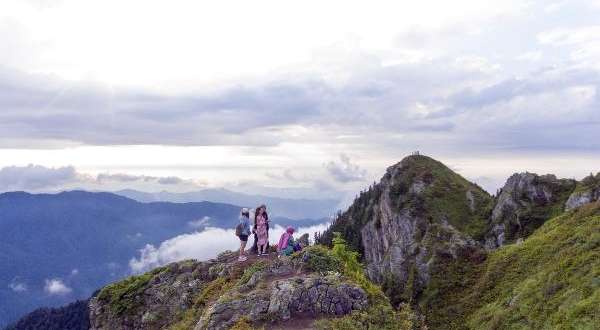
285,298
525,202
162,294
582,198
418,208
587,191
303,240
276,289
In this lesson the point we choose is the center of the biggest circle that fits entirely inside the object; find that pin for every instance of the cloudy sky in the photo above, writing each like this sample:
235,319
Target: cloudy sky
318,95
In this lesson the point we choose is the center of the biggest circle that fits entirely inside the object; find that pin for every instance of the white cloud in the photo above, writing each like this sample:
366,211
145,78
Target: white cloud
56,287
583,43
261,37
202,246
181,108
17,285
200,223
553,7
530,56
345,171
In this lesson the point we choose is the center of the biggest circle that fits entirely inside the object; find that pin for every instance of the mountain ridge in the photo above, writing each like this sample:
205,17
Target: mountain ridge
423,233
283,207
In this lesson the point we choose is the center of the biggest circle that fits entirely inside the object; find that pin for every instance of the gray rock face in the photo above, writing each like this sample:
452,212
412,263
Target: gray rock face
303,240
523,204
585,197
285,298
387,247
168,292
398,241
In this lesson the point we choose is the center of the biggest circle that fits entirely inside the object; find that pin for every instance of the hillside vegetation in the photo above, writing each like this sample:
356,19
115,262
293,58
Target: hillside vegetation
317,287
550,281
424,234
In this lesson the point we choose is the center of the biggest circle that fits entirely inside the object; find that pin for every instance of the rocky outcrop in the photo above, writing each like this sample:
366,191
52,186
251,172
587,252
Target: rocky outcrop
525,202
303,240
285,298
582,198
587,191
215,294
150,301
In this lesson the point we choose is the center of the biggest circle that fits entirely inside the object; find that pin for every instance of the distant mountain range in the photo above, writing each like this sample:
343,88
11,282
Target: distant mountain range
277,206
56,248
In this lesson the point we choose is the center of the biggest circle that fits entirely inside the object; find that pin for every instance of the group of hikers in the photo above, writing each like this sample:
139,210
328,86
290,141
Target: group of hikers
260,229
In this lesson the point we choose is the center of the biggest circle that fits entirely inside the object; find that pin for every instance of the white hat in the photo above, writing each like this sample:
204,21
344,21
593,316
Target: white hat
245,210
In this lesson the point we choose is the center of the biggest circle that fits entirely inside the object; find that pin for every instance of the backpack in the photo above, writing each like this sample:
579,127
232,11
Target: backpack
238,229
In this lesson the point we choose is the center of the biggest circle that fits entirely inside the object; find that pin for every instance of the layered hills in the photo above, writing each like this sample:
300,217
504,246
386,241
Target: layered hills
56,248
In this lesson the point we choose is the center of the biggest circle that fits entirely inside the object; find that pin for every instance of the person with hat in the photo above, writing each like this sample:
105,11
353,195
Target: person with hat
244,221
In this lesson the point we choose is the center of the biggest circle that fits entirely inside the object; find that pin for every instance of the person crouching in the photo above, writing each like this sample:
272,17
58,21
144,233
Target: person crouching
287,245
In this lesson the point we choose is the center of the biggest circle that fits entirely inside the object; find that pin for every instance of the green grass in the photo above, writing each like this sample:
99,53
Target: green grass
443,197
126,295
256,267
380,314
551,281
588,183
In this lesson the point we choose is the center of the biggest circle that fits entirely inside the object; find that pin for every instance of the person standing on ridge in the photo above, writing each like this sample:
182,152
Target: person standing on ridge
266,216
244,221
262,234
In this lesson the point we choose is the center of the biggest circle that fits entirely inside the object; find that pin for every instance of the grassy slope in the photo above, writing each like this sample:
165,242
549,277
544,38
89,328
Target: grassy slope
588,183
551,281
444,195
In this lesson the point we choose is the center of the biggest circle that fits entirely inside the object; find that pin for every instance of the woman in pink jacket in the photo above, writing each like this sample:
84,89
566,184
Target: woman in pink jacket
261,231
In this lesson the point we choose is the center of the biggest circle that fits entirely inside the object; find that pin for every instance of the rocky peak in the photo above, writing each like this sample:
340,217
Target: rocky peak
418,210
525,202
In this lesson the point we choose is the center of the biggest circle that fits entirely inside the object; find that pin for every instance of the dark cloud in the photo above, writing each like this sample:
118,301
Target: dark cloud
33,177
36,177
373,100
120,177
170,180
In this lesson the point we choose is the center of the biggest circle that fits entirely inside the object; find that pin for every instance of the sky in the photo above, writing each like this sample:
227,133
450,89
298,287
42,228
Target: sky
300,99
